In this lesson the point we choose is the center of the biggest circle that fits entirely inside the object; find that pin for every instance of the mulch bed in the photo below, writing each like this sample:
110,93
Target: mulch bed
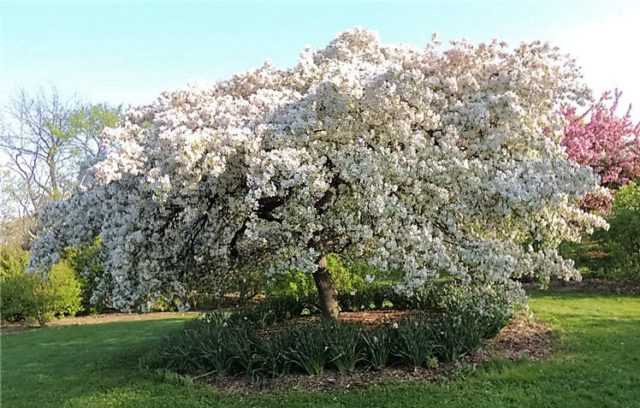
332,380
368,318
524,337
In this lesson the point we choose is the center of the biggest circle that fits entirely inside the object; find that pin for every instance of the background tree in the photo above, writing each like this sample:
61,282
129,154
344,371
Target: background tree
47,142
427,162
607,142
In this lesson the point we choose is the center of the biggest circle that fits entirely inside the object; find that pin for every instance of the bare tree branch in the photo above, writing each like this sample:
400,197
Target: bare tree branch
47,143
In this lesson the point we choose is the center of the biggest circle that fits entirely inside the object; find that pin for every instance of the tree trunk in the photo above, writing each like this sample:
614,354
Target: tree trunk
326,291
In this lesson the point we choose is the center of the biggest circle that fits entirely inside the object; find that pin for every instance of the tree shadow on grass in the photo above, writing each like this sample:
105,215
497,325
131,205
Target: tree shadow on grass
50,366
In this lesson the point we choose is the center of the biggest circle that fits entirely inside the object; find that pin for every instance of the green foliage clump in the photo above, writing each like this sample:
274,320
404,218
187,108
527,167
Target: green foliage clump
87,263
613,253
470,315
293,283
377,347
622,241
35,297
415,341
449,321
16,284
273,310
344,343
308,349
244,289
347,278
373,298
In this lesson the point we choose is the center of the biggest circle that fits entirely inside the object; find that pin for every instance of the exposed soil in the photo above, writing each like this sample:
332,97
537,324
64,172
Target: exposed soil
331,380
368,318
524,337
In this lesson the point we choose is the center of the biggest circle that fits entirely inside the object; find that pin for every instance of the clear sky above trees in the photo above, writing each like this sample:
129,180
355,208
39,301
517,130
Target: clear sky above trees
129,51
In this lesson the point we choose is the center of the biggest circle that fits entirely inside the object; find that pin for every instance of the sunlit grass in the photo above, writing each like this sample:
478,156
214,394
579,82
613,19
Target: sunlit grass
596,363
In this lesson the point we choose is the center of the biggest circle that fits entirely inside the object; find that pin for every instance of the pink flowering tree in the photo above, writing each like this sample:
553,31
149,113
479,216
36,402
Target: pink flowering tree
606,142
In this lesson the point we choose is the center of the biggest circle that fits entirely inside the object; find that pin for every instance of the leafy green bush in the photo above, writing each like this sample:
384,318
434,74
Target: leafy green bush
378,344
373,298
613,253
270,311
627,198
347,278
87,263
469,315
291,284
16,284
35,297
345,345
415,342
308,349
454,320
622,241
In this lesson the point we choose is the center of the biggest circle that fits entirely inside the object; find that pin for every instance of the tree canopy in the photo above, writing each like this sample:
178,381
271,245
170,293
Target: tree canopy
47,142
426,161
607,142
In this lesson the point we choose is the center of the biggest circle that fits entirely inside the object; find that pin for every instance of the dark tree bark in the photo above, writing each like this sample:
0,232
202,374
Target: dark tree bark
327,294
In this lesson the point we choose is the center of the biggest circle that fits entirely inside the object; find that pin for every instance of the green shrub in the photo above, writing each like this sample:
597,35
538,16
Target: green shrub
290,284
378,344
347,278
375,297
469,315
13,261
612,253
270,311
454,320
277,309
16,288
627,198
271,357
415,342
87,263
35,297
622,240
623,251
345,345
308,349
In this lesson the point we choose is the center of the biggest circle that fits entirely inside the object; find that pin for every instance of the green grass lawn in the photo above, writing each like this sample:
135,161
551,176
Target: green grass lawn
597,364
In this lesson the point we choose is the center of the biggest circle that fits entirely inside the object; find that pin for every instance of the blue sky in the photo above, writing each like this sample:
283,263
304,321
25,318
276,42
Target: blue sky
129,51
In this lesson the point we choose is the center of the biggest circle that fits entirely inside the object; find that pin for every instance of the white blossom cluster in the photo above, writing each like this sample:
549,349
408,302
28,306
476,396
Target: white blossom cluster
431,162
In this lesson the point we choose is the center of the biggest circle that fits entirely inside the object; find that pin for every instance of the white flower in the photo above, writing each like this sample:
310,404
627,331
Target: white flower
420,160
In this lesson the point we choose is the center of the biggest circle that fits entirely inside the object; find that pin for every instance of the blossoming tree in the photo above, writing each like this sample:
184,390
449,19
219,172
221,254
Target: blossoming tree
606,142
430,162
